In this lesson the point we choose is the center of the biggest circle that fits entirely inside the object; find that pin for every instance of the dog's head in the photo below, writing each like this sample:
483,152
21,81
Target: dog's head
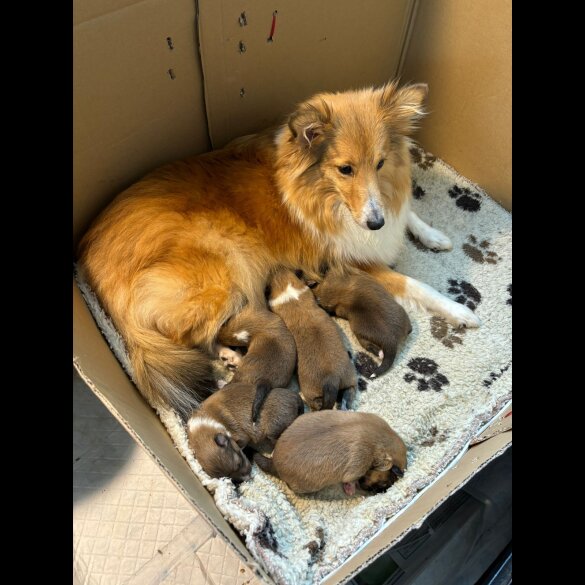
377,481
388,463
341,152
217,452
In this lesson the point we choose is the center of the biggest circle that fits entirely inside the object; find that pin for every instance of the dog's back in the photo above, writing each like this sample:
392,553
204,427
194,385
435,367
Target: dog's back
271,354
379,323
222,426
324,367
328,447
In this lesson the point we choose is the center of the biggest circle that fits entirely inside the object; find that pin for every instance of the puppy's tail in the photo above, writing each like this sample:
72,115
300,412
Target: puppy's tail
263,388
265,464
170,375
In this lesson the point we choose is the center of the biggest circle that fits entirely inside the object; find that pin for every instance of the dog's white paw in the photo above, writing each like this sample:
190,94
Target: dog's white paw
459,315
434,239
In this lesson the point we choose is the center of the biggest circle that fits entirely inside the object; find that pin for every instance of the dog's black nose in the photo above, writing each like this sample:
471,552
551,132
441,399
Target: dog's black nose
375,224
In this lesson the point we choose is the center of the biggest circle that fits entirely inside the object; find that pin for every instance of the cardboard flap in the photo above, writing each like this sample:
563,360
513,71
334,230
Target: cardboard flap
138,96
252,80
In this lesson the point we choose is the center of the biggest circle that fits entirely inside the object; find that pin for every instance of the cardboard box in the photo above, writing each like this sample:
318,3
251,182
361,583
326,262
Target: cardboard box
153,83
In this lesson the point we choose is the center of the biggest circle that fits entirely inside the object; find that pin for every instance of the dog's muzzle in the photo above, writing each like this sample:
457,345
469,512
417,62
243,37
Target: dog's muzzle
374,215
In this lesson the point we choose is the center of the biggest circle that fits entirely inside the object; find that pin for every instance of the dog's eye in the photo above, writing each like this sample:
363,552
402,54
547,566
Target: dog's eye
346,170
380,165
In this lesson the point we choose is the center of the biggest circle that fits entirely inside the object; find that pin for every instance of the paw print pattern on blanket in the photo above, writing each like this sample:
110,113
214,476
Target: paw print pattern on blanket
430,378
494,376
417,191
465,293
465,198
445,333
480,251
423,159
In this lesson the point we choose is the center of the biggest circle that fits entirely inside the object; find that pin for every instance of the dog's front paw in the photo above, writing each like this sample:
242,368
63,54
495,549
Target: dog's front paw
459,315
434,239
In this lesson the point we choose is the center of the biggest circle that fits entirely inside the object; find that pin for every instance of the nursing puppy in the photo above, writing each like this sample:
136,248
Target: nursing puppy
379,323
324,368
221,427
271,354
184,249
325,448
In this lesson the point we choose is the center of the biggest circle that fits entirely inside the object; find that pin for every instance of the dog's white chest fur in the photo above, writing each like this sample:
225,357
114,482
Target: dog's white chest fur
383,245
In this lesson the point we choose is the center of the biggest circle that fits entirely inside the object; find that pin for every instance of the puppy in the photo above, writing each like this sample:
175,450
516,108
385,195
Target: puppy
324,367
271,354
320,449
379,323
221,427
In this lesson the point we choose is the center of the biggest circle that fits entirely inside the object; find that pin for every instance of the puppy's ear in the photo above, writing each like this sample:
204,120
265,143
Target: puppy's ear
403,108
221,440
382,461
310,123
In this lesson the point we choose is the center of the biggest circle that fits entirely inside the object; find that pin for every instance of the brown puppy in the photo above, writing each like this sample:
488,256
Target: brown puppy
221,427
271,357
320,449
379,323
324,367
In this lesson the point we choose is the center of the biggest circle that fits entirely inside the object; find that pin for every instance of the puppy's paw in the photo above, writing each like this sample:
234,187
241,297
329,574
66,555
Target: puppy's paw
349,488
230,358
434,239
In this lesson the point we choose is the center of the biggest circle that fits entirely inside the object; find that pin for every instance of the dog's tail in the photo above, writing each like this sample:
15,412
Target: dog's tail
263,388
170,375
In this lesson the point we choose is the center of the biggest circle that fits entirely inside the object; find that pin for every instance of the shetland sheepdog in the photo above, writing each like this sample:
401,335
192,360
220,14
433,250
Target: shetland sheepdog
178,253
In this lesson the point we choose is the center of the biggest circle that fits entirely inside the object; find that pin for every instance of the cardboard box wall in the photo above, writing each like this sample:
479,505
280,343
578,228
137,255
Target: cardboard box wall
153,83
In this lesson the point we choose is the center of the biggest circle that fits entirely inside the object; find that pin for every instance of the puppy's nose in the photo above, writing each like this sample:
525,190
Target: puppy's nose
376,223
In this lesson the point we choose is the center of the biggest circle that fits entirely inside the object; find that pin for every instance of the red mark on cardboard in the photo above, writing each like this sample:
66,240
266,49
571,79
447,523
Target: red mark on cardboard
273,27
509,414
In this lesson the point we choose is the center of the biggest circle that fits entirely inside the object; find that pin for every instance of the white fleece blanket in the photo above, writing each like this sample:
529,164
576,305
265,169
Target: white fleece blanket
444,385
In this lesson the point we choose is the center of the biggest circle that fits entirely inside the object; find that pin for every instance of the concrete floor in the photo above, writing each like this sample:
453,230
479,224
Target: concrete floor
130,525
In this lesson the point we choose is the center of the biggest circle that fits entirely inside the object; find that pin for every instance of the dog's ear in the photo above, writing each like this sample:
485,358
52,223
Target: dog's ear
382,461
310,123
403,108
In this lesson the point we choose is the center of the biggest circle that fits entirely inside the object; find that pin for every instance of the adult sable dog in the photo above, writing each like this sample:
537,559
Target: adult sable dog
178,253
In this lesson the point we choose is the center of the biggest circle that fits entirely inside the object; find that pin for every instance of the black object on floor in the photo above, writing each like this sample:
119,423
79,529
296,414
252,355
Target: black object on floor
500,571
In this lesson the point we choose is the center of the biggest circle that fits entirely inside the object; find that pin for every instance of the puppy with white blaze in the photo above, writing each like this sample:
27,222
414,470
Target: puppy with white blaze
187,247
